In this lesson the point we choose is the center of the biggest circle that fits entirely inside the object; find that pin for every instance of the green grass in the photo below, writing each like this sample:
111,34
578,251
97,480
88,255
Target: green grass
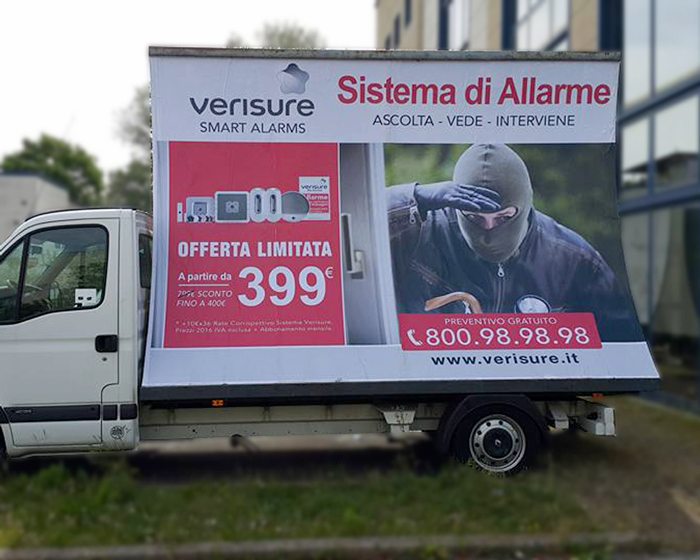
58,507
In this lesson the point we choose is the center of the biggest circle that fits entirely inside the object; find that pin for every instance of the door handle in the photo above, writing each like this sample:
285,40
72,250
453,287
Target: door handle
106,343
354,259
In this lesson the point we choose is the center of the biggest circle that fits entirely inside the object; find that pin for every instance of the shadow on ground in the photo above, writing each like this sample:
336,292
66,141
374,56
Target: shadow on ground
286,458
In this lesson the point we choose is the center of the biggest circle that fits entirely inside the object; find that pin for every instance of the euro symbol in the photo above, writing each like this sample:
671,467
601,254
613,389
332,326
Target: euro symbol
329,273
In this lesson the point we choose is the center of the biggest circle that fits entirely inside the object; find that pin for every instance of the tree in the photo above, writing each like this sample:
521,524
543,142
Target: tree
131,187
282,36
67,164
135,125
235,41
289,36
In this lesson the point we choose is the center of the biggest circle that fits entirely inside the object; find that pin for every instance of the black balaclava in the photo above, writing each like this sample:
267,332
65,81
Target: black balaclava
497,167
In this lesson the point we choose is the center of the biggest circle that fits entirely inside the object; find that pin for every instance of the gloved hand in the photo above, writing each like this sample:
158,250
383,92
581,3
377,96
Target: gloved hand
449,194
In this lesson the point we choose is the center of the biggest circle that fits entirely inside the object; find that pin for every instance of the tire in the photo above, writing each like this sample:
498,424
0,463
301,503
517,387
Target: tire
498,439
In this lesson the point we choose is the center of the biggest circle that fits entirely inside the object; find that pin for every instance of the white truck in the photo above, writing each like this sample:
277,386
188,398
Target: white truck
80,371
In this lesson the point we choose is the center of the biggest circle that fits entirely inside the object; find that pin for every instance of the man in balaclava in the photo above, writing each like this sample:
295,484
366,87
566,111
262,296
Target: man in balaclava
476,244
500,169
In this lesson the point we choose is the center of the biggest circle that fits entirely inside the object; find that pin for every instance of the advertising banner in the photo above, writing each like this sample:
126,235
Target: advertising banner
254,246
346,221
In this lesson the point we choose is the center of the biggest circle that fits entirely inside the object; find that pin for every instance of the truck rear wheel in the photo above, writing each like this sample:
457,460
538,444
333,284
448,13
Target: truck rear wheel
498,439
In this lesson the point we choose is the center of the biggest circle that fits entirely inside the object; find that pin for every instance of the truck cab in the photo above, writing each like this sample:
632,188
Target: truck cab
74,291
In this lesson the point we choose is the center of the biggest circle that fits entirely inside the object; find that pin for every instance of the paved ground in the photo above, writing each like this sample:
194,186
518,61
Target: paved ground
367,548
647,479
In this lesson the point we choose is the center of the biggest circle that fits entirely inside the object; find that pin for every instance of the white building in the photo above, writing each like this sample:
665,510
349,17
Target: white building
24,194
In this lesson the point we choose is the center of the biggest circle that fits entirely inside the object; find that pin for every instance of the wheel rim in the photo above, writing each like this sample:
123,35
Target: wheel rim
497,443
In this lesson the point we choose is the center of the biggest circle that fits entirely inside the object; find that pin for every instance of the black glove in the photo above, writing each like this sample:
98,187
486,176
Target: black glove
449,194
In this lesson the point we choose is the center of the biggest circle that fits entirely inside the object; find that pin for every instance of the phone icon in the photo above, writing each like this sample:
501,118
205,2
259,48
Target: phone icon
412,337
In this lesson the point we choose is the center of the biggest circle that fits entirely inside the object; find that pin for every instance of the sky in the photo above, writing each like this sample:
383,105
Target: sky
70,68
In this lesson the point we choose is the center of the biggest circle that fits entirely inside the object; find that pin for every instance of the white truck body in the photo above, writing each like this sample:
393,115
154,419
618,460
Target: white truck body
59,395
75,300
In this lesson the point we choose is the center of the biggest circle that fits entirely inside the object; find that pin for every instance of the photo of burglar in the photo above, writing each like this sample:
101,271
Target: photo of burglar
476,244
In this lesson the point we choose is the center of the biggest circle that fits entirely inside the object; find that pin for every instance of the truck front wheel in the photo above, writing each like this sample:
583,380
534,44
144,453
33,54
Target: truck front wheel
500,440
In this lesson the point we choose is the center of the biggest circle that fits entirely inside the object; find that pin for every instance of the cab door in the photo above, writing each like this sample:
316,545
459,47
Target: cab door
59,332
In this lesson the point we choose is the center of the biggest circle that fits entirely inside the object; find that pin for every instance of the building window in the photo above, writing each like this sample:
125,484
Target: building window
397,31
542,25
676,145
637,51
408,12
560,16
561,45
635,242
675,153
677,41
662,257
675,298
387,43
674,56
660,143
459,18
635,157
523,7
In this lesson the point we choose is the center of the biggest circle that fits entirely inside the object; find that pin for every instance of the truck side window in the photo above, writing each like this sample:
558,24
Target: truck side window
145,260
66,269
9,283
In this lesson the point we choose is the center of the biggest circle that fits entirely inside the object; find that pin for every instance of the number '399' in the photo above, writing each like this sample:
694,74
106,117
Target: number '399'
284,284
